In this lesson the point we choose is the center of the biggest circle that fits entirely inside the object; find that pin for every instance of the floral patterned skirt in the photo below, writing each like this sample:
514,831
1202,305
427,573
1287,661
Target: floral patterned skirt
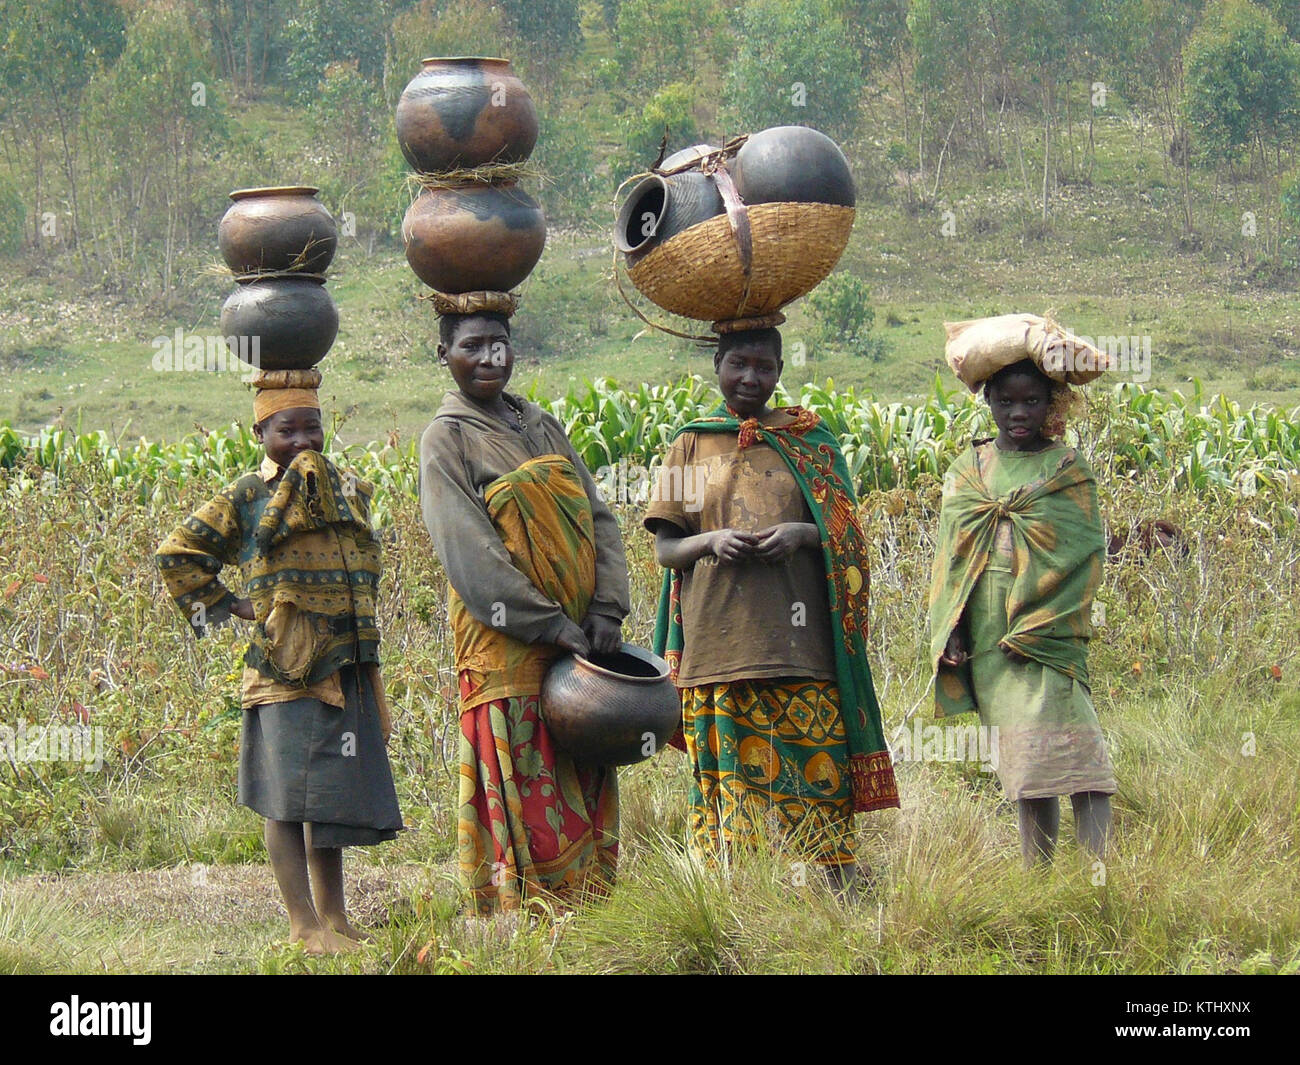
533,825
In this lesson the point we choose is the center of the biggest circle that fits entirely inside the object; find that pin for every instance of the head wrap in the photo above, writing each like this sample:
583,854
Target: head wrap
279,390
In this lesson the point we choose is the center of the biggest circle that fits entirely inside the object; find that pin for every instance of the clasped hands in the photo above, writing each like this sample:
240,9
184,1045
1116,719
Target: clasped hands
774,544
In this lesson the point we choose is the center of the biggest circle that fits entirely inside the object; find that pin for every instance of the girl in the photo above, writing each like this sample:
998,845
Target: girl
763,616
536,567
315,721
1018,564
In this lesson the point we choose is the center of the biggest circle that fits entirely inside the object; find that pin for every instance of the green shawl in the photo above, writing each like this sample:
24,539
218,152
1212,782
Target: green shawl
814,458
1058,548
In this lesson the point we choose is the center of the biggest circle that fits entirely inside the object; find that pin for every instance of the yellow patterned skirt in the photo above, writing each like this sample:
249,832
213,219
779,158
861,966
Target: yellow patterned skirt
771,761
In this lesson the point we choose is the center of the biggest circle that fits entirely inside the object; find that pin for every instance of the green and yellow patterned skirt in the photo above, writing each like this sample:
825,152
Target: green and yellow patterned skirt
771,761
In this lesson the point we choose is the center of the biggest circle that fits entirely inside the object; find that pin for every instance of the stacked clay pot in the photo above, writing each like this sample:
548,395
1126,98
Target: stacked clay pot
465,233
278,243
791,212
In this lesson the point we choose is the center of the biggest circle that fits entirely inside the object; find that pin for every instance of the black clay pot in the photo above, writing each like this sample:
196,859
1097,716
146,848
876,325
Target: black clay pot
281,228
462,112
290,322
792,164
614,709
474,237
659,208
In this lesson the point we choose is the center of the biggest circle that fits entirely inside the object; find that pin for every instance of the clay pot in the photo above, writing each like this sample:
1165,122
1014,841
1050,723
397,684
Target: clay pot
279,228
661,207
474,237
792,164
614,709
462,112
290,322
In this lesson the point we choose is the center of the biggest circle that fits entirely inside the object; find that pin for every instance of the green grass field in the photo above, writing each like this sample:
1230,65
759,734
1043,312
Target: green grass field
149,866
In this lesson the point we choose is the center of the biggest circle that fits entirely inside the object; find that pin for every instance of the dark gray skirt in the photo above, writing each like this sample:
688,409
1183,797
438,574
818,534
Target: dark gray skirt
305,761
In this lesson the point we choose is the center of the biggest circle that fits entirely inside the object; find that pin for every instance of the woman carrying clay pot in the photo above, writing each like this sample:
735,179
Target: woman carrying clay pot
763,617
535,565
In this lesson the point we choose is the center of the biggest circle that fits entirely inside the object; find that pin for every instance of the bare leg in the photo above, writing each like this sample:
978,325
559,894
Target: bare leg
286,847
843,880
1092,820
1040,823
326,864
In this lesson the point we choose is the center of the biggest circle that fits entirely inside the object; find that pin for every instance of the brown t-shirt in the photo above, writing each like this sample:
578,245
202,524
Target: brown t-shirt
749,619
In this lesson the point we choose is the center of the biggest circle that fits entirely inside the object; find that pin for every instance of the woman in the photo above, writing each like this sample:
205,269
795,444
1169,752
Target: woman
763,617
1018,563
536,567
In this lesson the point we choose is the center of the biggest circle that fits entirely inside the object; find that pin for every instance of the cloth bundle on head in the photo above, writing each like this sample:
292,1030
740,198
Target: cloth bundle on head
279,390
980,347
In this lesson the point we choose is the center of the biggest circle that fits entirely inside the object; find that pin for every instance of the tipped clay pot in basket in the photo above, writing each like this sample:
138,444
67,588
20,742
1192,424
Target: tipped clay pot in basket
462,112
281,228
474,237
290,322
660,207
614,709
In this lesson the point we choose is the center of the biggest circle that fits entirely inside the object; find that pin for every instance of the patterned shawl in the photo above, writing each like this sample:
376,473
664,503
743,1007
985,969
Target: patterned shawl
1057,547
815,460
310,565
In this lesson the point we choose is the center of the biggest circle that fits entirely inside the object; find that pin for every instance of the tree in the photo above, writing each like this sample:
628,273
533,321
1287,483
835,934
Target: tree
1243,80
152,125
659,42
792,68
246,36
330,31
1243,88
48,50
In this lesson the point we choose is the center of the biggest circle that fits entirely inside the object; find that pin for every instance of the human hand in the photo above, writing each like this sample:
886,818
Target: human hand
605,634
243,608
573,639
732,545
955,652
781,541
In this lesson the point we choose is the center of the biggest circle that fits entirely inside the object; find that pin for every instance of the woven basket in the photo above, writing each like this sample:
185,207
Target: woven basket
698,273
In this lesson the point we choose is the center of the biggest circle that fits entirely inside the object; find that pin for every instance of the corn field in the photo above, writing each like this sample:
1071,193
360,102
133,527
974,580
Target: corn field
1195,444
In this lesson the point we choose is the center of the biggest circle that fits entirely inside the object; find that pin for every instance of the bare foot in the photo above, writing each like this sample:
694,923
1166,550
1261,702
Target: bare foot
325,941
344,927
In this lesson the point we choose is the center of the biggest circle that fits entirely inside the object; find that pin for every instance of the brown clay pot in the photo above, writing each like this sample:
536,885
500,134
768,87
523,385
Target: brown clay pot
614,709
792,164
290,322
278,228
462,112
474,237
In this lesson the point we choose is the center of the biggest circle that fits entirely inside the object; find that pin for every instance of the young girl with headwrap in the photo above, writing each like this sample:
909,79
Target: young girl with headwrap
315,721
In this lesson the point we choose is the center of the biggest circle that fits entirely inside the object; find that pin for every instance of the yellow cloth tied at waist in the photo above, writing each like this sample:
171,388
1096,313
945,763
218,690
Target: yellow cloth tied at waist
543,516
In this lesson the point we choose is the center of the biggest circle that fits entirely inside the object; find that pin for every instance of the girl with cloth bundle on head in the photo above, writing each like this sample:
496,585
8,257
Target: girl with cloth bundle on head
1018,563
315,721
535,568
763,618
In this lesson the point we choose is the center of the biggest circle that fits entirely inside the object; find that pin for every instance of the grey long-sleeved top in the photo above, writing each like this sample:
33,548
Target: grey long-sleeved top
462,451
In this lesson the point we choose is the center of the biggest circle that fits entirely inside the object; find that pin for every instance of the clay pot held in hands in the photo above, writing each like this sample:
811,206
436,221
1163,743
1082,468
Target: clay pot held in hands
613,709
474,237
282,228
462,112
290,322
